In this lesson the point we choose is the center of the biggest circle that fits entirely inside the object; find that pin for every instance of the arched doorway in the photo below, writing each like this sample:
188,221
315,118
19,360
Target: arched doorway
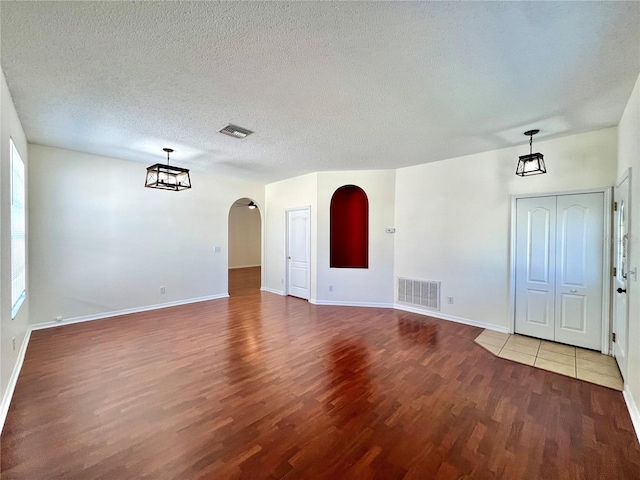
245,241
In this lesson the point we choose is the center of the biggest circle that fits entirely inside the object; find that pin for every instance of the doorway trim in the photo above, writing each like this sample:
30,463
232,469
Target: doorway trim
286,248
607,318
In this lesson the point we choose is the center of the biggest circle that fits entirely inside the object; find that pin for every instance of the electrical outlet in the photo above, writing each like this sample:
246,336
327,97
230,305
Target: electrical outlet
331,288
58,319
216,249
450,300
163,290
390,230
14,344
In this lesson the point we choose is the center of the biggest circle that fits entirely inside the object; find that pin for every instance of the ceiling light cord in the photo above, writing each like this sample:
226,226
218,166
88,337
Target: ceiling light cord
168,150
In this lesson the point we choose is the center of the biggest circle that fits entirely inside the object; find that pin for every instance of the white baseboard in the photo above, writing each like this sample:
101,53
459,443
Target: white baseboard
13,380
126,311
245,266
632,406
272,290
350,304
451,318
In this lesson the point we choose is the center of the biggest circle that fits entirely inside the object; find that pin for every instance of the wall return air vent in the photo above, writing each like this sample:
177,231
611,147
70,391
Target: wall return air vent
235,131
419,292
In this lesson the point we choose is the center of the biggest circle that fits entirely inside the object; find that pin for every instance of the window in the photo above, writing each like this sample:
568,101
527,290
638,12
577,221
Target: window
18,231
621,261
349,228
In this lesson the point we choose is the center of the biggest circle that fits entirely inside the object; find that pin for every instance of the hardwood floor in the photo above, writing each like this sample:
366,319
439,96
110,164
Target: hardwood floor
263,387
244,281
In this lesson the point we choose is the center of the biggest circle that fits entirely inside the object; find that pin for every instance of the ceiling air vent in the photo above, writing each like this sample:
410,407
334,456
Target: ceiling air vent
235,131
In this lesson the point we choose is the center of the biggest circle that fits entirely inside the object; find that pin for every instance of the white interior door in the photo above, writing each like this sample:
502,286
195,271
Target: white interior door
299,252
579,255
535,266
621,265
558,272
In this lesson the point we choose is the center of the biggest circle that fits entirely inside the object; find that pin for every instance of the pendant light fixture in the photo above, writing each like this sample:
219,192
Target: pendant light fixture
252,205
167,177
532,164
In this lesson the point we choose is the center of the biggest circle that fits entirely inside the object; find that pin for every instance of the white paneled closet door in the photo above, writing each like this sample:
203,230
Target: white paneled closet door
579,249
559,254
535,266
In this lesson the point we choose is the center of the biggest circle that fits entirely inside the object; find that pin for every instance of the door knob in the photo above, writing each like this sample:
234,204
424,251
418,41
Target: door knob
289,258
621,290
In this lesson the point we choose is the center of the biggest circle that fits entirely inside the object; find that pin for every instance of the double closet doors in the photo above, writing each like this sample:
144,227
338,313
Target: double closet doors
559,265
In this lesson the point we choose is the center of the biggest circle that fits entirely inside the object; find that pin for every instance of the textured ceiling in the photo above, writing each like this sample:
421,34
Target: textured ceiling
325,86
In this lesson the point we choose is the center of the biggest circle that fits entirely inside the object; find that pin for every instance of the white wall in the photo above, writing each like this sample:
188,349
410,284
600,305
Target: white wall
373,285
10,127
629,157
453,216
350,285
101,243
244,236
279,196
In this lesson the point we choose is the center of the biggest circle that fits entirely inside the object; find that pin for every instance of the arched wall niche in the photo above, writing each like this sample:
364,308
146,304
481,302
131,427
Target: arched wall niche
349,228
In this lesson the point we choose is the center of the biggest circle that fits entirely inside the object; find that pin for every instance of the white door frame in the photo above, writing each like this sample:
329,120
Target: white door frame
286,248
607,317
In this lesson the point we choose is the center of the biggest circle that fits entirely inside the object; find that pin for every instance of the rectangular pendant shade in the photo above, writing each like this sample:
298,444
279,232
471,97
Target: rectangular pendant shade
532,164
166,177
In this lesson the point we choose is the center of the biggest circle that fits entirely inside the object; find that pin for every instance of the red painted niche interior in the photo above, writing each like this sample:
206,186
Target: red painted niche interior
349,228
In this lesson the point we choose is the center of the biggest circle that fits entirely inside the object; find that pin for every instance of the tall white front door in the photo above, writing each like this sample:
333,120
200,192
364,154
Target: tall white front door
299,252
559,258
621,265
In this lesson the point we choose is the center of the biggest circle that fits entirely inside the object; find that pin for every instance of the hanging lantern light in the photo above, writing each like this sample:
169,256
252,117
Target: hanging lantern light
532,164
167,177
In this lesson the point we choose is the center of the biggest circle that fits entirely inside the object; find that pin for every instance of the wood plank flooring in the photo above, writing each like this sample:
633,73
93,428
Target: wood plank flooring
244,281
263,387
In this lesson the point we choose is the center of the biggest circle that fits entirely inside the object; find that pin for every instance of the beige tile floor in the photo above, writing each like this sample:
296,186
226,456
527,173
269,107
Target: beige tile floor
573,362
